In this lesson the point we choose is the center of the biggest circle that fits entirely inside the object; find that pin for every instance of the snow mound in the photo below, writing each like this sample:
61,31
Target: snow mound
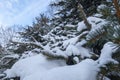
81,71
30,65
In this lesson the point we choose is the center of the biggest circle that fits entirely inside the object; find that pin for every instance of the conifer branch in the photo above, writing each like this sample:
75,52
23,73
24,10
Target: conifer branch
117,7
44,51
84,16
37,44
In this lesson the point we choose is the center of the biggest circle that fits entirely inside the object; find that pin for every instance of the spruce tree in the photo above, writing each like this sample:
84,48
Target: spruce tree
68,12
109,32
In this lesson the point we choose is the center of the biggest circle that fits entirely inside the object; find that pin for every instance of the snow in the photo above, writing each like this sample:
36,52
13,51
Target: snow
14,56
9,57
71,41
97,24
30,53
70,25
76,59
82,42
102,6
94,21
2,75
71,50
81,26
81,71
109,0
68,46
106,54
57,51
98,15
74,50
31,65
8,34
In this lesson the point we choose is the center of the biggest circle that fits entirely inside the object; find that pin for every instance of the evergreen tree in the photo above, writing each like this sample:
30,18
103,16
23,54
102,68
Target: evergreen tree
64,42
39,27
68,12
109,32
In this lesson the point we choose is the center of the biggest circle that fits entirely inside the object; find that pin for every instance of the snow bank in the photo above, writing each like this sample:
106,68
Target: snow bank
31,65
81,71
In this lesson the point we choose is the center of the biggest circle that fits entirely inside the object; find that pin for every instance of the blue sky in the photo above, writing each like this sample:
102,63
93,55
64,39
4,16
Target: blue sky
20,12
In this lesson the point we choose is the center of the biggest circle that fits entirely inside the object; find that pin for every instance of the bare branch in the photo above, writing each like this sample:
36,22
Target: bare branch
117,7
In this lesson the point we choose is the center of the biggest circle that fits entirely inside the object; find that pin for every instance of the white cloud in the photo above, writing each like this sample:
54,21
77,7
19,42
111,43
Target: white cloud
30,12
8,4
20,11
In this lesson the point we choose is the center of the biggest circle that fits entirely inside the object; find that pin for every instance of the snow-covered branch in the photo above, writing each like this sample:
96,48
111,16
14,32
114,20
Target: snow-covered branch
2,75
52,54
37,44
106,54
84,16
6,35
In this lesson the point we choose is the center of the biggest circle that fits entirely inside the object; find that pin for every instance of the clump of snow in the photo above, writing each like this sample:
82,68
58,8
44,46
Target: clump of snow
30,53
58,52
82,42
74,50
106,54
97,24
71,41
70,25
30,65
69,47
71,50
109,0
94,21
81,26
98,15
105,78
102,6
76,59
85,70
